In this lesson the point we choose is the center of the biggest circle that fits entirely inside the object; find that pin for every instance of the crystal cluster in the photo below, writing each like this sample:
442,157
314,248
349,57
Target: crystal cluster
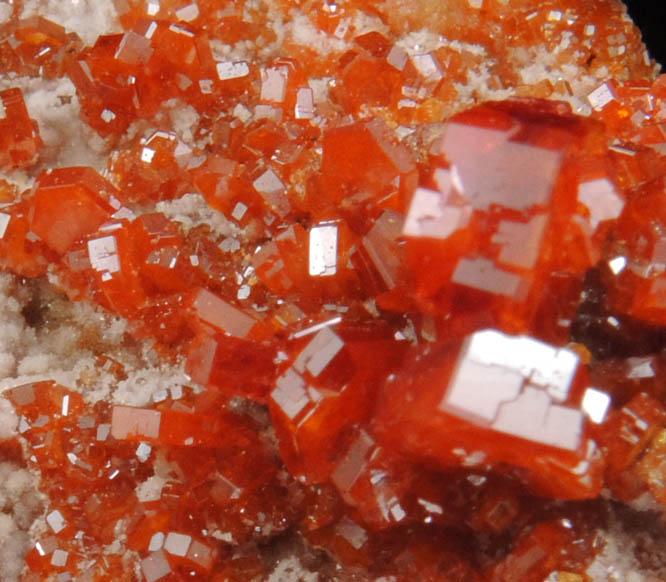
430,343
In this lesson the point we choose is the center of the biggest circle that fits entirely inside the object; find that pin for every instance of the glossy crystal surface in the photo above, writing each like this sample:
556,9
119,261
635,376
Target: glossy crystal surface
421,323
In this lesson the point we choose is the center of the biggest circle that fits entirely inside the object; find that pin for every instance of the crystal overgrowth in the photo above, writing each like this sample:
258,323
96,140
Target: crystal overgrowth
411,311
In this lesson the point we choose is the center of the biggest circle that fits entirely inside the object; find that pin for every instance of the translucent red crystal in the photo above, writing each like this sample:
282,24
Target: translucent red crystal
534,219
19,136
393,336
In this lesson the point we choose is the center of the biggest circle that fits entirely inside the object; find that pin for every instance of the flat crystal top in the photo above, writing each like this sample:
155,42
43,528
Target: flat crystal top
515,175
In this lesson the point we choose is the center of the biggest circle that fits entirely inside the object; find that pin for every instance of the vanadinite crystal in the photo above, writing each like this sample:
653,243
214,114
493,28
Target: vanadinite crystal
390,283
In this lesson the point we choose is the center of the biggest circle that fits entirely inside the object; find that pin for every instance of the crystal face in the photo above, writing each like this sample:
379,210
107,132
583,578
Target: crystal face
503,233
525,391
370,289
513,385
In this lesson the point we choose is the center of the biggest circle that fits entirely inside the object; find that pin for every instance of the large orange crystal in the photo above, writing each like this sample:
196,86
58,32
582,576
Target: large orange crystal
491,244
417,286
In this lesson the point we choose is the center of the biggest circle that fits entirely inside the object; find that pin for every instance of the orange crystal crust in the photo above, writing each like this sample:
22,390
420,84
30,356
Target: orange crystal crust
422,329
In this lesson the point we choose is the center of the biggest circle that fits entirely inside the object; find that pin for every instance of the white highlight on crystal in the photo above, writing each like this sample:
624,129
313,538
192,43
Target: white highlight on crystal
352,464
23,425
274,84
319,352
428,67
397,57
516,175
243,292
315,328
640,367
46,545
601,97
595,404
147,155
155,567
86,422
103,431
430,216
617,265
218,313
268,182
304,108
64,408
134,49
511,384
352,532
430,507
180,30
103,254
380,242
482,274
143,452
200,554
289,393
56,521
521,241
272,189
59,558
177,544
156,542
601,199
150,31
127,421
188,13
323,256
267,112
239,211
107,115
232,70
4,223
532,416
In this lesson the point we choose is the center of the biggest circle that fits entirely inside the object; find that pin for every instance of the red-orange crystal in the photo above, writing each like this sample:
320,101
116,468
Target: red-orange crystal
402,341
19,136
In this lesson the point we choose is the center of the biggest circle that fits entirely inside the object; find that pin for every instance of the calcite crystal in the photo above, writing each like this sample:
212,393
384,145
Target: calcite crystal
409,260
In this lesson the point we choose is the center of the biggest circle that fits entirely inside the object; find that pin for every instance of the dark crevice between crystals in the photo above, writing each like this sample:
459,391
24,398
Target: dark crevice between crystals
38,296
607,334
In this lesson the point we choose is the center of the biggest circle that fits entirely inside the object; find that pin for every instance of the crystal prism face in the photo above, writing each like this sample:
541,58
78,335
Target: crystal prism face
19,135
496,235
323,250
68,204
513,385
516,175
315,401
503,397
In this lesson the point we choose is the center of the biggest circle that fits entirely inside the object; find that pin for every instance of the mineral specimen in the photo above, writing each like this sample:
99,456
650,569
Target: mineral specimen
414,282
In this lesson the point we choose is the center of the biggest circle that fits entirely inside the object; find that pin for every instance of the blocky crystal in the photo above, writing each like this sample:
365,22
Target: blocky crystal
19,135
521,391
423,329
